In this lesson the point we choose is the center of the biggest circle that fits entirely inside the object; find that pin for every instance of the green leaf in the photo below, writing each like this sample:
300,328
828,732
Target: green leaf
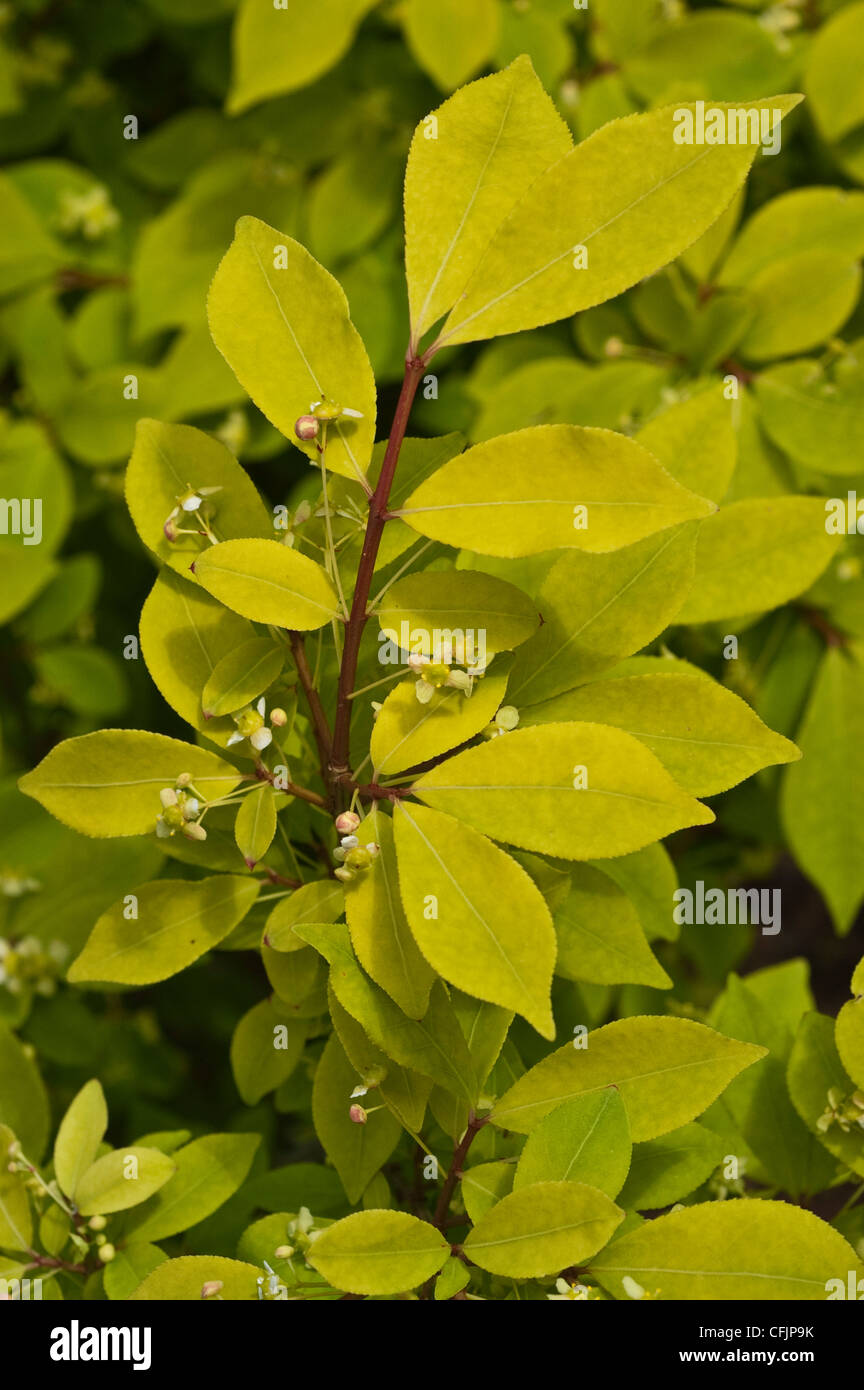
668,1070
629,194
466,173
276,51
176,922
209,1171
729,1250
543,1228
166,462
268,583
184,634
815,415
817,1078
649,879
266,1046
182,1280
804,219
255,825
27,253
849,1037
756,554
823,796
598,608
600,936
81,1131
475,914
407,733
703,734
453,1278
800,302
832,79
379,929
550,487
473,613
578,791
357,1151
379,1252
404,1091
245,671
664,1170
585,1140
107,783
435,1045
16,1218
484,1184
695,441
281,322
122,1179
23,1098
452,41
321,901
130,1267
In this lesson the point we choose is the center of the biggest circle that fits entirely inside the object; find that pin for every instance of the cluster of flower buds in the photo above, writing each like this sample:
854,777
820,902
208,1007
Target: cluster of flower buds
504,722
189,503
181,810
847,1112
352,857
15,885
251,724
308,427
27,964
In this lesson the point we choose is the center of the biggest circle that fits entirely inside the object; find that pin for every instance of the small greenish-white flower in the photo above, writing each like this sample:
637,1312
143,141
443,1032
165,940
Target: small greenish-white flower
30,964
250,724
271,1286
331,410
180,811
189,503
435,674
91,214
573,1293
15,885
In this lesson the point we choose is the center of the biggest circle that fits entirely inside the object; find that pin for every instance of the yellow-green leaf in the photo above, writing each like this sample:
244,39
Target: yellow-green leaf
265,1048
600,936
472,613
631,195
321,901
587,1140
465,173
453,39
550,487
357,1151
255,824
695,441
543,1228
579,791
407,733
706,736
475,914
176,922
209,1171
107,783
668,1070
245,670
268,583
121,1179
729,1250
23,1099
81,1131
281,322
277,50
379,1252
181,1280
380,933
756,554
166,462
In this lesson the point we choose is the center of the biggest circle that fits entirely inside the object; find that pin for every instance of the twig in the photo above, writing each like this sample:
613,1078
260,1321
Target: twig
442,1210
320,725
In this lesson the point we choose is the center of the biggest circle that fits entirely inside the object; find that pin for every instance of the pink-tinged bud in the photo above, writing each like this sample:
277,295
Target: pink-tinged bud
344,875
357,1114
278,717
307,427
347,823
170,530
212,1287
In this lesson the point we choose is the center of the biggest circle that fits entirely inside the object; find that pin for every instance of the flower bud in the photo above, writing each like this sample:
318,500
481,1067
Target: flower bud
212,1287
184,779
170,529
106,1254
349,842
507,717
357,1114
283,1252
307,427
278,717
193,831
97,1223
347,823
344,875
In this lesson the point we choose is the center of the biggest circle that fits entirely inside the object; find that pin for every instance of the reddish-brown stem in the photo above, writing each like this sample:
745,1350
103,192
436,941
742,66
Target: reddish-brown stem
313,699
373,791
817,620
442,1210
339,766
88,280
